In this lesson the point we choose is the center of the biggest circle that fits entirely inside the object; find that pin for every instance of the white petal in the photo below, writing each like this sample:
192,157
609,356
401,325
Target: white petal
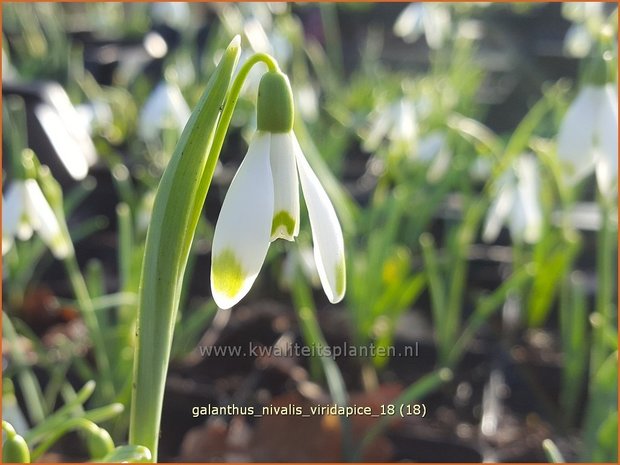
378,129
44,220
409,25
13,208
405,126
526,217
326,231
577,41
243,228
498,212
576,134
436,24
285,187
607,153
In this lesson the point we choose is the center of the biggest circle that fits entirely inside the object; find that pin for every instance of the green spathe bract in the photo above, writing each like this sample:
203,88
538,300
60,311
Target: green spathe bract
274,106
180,196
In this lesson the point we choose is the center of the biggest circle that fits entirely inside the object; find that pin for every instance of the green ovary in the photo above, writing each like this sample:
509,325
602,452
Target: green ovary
227,273
283,219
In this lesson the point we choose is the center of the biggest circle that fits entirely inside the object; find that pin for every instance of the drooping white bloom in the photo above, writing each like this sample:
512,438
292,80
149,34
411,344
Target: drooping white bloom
516,204
174,14
165,108
588,136
396,123
262,205
430,19
26,210
433,149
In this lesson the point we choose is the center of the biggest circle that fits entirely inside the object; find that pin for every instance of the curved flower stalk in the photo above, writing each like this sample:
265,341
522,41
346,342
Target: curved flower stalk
517,204
242,236
588,136
25,209
262,204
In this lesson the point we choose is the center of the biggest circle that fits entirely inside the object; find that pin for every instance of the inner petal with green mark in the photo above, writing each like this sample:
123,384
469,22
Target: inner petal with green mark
283,226
227,275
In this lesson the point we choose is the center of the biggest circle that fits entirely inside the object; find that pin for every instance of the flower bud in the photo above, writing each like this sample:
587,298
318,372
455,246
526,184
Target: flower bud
99,442
15,450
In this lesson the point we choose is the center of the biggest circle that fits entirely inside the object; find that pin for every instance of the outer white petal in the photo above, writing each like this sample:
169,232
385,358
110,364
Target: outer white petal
404,124
243,228
44,220
409,24
526,220
607,153
285,187
576,135
13,208
436,24
326,231
378,129
498,212
577,41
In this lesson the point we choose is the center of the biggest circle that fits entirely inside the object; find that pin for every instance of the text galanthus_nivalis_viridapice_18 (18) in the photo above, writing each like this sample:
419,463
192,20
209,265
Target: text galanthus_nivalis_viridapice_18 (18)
262,204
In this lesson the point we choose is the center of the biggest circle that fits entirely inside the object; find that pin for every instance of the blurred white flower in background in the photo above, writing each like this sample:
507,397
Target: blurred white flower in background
174,14
516,203
431,19
588,18
25,209
433,149
165,108
395,123
588,136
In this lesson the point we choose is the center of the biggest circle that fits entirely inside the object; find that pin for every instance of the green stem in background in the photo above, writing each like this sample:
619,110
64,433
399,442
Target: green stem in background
28,383
331,29
311,329
92,323
413,393
606,245
573,335
176,211
552,452
99,441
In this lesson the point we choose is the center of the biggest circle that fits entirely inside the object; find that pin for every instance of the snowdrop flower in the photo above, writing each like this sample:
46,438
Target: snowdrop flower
588,136
26,210
165,108
433,149
430,19
397,123
516,203
174,14
262,204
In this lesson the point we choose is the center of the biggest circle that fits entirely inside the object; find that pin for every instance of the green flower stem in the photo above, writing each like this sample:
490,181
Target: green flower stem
74,424
176,211
306,313
606,252
31,389
92,324
415,392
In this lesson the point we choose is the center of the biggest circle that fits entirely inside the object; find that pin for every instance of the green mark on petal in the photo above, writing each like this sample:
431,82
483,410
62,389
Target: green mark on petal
226,273
341,278
283,219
